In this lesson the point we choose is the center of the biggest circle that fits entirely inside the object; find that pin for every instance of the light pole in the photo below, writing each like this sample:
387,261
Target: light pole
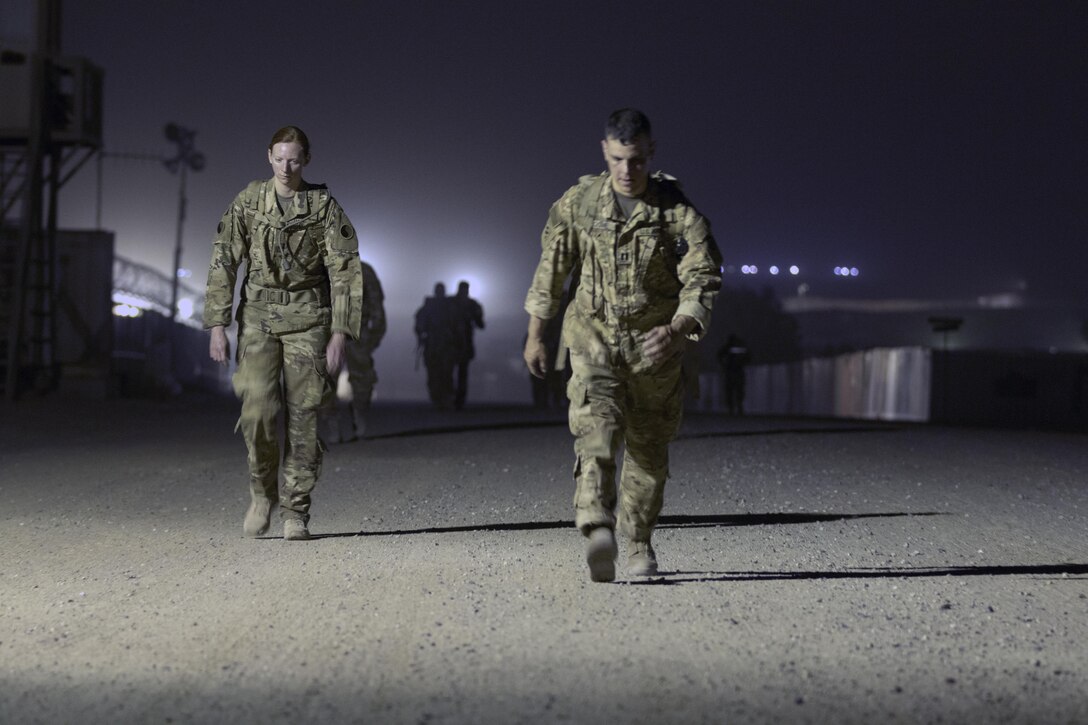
186,158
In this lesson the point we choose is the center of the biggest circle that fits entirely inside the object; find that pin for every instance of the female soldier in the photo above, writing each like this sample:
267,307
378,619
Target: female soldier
301,297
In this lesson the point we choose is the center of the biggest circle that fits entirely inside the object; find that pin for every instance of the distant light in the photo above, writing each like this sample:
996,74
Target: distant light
853,271
185,308
773,269
749,269
123,310
183,273
139,303
477,286
795,270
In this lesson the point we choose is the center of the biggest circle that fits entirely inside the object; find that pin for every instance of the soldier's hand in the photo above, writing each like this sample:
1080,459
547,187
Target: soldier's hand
219,346
334,353
664,341
536,357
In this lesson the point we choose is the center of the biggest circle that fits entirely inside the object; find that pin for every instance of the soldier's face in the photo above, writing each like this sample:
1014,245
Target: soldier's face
628,164
287,160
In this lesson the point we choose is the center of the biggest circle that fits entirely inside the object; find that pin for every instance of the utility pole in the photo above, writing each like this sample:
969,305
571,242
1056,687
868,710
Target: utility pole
187,158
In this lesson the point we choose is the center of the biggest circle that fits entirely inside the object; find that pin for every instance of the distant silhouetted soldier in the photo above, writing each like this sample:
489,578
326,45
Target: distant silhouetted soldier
733,356
438,338
469,315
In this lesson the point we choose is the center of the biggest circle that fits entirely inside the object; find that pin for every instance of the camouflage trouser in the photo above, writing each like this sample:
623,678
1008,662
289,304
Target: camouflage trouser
277,371
345,421
611,406
363,377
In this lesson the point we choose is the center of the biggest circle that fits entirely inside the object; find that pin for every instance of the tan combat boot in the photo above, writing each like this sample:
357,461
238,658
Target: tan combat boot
601,554
641,560
295,530
258,515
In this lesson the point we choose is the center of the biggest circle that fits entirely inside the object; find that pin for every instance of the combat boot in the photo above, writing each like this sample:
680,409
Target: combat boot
295,530
641,560
601,554
258,515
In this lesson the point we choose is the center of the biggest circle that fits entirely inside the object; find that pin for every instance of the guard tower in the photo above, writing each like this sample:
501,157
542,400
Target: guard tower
50,125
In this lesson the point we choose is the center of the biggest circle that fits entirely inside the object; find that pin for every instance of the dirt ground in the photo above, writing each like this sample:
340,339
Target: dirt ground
812,571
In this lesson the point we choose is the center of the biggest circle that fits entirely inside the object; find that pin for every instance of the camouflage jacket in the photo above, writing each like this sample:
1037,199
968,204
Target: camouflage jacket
374,324
302,266
628,276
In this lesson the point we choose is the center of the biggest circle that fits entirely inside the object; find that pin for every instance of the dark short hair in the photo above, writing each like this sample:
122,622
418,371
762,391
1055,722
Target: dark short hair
627,124
291,134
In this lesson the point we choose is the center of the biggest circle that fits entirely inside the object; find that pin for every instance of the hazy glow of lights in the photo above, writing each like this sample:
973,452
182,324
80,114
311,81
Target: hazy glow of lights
795,270
183,273
124,310
853,271
185,308
773,269
749,269
477,285
838,271
139,303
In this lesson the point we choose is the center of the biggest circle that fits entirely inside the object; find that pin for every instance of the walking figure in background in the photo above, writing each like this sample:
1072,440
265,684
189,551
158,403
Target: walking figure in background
348,422
733,356
470,315
438,339
647,272
301,299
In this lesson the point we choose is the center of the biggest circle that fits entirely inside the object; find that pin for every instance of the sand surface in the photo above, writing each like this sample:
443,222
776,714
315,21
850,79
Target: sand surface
811,571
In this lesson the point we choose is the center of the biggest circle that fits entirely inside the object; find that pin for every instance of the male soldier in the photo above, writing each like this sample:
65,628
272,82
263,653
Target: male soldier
647,271
733,356
359,361
300,300
437,335
470,315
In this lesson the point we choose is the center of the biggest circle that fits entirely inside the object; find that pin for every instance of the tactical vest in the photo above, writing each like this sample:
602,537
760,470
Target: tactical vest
669,195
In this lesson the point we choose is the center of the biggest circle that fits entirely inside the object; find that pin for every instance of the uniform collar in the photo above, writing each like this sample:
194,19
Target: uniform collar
299,207
646,205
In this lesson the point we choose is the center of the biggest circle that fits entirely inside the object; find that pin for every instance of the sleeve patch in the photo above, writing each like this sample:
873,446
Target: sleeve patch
346,231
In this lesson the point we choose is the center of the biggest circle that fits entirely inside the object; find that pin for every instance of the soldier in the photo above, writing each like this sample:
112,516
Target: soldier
470,315
733,356
359,361
646,270
438,339
300,300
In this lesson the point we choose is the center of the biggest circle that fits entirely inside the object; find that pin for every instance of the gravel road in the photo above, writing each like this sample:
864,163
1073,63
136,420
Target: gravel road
812,572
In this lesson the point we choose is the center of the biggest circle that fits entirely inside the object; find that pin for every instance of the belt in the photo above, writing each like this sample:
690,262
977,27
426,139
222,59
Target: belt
320,295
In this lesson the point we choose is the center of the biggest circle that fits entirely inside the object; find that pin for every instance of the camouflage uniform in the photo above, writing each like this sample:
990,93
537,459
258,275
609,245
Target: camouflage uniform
359,364
303,282
631,276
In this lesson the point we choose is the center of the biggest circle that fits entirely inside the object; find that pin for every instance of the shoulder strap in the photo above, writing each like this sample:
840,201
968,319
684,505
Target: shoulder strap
585,205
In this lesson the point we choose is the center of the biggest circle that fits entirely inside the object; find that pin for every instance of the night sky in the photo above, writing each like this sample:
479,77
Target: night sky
937,146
